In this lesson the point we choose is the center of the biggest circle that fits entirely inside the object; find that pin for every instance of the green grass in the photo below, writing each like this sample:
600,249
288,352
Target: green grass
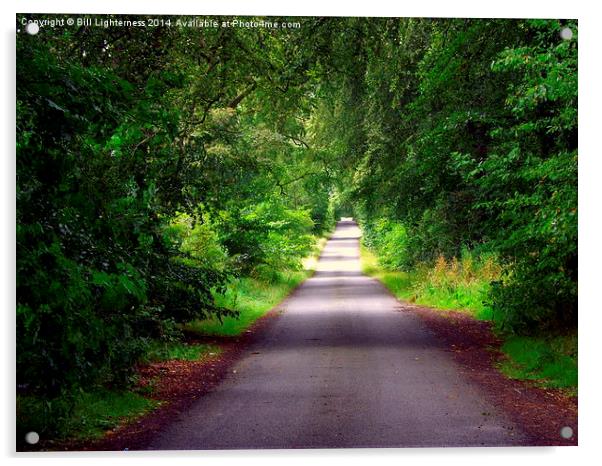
97,412
92,414
454,286
548,361
254,297
160,351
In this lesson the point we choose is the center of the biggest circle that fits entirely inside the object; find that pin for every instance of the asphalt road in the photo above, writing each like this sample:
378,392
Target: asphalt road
343,366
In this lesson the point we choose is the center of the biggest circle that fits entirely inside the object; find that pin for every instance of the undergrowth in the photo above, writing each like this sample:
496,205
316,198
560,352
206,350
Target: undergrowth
166,351
460,284
90,414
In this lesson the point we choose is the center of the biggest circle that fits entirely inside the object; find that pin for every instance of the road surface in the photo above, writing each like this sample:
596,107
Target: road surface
343,366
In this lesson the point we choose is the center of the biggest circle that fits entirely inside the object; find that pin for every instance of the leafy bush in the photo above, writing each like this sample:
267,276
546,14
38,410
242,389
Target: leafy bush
389,239
199,240
267,233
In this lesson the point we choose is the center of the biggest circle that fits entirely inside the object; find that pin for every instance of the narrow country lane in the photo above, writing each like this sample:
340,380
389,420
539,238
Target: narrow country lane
343,366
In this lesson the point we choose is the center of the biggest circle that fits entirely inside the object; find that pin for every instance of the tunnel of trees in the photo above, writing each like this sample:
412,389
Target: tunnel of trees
155,165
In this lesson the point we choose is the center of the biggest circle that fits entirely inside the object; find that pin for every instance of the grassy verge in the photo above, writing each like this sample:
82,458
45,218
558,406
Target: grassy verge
89,416
457,285
160,351
550,362
96,412
462,285
253,297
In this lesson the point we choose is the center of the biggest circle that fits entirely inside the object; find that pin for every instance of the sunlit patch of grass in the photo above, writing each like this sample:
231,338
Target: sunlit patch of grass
550,362
369,262
252,297
99,411
454,285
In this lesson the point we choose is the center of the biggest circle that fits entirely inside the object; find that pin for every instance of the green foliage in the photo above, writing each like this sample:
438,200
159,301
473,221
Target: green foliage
267,234
538,154
458,284
95,277
199,240
251,298
550,362
89,414
389,239
174,350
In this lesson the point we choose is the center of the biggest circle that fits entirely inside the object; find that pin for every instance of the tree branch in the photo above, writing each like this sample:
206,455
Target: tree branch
234,103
